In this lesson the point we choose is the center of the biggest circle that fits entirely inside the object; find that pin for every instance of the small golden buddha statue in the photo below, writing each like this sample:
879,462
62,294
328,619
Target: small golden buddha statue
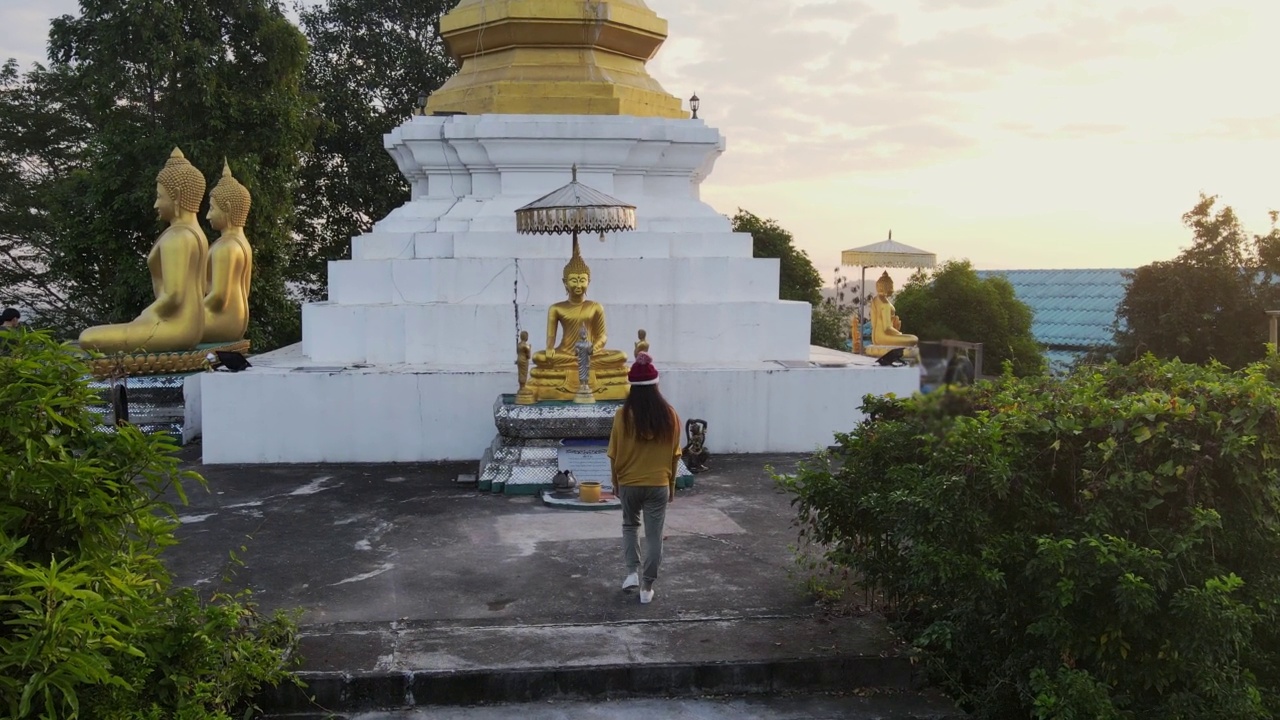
230,268
642,342
555,372
886,326
524,351
175,321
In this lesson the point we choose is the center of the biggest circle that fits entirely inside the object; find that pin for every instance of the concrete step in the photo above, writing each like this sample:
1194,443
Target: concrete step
398,666
888,705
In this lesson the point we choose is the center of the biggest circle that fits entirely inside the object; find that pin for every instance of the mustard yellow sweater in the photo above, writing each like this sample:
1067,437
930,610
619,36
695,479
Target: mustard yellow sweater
643,463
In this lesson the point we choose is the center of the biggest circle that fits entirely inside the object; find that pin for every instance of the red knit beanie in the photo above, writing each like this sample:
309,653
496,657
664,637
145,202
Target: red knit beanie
642,371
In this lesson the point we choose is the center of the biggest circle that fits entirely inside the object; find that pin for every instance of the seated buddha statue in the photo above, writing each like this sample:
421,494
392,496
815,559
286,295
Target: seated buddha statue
175,321
886,326
555,370
230,269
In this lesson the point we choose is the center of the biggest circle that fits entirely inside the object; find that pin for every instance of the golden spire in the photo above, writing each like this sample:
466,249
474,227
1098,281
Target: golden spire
232,196
560,57
183,181
576,265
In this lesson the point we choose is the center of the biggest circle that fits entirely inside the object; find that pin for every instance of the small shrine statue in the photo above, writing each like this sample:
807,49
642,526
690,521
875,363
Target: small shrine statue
230,270
584,395
555,373
642,344
886,327
523,352
175,321
695,450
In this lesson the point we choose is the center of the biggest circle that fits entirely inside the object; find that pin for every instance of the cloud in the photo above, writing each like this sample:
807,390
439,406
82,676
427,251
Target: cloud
1246,128
928,5
846,11
825,87
1069,131
24,27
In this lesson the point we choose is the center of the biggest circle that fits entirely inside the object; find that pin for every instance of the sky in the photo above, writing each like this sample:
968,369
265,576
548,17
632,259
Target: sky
1013,133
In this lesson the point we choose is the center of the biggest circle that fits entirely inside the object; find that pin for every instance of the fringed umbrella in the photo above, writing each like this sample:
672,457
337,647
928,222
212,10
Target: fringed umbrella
575,208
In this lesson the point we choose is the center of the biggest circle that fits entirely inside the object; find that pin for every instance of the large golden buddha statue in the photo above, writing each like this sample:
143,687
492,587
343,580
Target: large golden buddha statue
886,326
230,268
555,372
175,321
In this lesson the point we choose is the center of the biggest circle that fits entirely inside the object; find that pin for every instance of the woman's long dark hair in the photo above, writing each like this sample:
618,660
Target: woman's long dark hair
648,415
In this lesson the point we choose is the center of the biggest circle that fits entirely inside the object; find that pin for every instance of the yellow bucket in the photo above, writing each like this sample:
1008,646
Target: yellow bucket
589,491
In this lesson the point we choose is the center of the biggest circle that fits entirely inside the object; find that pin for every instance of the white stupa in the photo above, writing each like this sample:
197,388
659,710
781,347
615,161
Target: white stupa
418,336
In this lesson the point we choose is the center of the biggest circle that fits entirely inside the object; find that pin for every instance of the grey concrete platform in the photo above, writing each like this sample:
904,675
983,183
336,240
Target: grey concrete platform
417,591
883,706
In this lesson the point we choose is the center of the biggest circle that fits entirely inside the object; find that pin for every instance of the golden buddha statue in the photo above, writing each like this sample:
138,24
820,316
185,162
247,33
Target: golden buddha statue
886,326
175,321
555,372
524,352
230,268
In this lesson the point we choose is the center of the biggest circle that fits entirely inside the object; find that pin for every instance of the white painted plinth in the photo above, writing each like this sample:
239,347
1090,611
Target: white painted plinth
418,334
191,410
287,409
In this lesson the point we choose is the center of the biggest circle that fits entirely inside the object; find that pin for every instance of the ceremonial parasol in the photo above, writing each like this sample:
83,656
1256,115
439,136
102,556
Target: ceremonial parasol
888,254
575,208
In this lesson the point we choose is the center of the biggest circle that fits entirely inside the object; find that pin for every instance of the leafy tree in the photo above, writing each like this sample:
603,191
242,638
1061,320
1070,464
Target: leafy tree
1209,302
955,304
93,626
1098,546
832,318
799,278
136,78
829,326
44,143
370,59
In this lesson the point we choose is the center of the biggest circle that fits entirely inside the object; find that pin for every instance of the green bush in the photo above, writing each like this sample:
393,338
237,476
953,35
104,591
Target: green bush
90,625
1102,546
829,326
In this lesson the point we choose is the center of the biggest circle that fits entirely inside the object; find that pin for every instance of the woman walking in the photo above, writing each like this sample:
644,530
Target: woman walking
644,447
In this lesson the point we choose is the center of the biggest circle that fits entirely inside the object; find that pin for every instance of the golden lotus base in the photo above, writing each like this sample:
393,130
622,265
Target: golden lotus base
554,385
911,351
167,363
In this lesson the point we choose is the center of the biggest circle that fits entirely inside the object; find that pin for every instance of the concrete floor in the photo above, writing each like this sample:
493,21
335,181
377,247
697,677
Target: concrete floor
406,579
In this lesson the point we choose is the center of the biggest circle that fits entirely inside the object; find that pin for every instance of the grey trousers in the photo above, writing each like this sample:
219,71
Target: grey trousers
652,501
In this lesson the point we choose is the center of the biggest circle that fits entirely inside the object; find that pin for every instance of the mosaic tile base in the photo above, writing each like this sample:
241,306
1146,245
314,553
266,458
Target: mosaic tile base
554,420
156,403
525,466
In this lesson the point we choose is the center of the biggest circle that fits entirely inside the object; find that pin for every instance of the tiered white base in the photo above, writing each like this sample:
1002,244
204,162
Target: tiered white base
289,409
419,332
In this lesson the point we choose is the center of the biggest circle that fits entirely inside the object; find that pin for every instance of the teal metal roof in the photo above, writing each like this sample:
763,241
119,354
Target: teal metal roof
1074,309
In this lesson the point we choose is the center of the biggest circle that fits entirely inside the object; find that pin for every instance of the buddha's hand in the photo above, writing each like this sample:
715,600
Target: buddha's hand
897,323
551,353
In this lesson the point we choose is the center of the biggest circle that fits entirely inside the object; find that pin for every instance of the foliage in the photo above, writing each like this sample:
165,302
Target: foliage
799,278
41,147
829,326
955,304
1208,303
130,80
370,59
1047,544
832,320
88,623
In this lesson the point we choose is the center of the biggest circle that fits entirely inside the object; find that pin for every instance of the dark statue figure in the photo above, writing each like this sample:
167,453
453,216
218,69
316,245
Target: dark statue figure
695,452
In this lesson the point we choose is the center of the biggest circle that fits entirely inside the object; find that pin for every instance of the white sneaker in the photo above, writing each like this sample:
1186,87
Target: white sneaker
633,580
646,597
